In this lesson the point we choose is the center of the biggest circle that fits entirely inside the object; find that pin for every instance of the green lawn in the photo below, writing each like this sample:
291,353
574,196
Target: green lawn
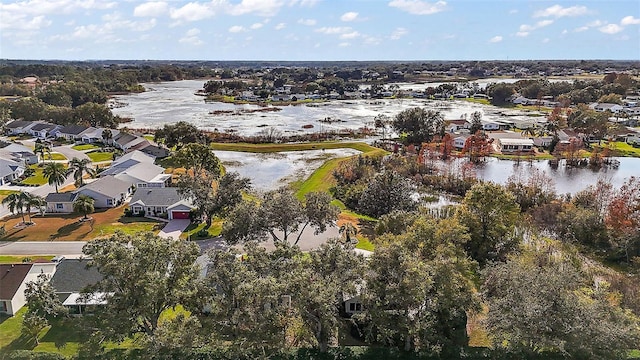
5,193
191,232
14,259
97,156
37,178
365,244
623,149
271,148
129,225
54,156
83,147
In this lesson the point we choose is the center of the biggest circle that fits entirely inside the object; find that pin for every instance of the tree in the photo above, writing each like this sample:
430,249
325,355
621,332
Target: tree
419,288
623,218
420,125
490,213
387,192
41,149
144,275
539,302
535,189
43,306
381,121
279,215
16,204
198,158
96,115
107,135
476,122
31,200
477,146
32,325
591,123
500,93
83,204
78,167
179,134
55,174
28,109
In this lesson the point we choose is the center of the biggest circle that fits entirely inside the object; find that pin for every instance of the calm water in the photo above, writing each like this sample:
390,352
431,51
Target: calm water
170,102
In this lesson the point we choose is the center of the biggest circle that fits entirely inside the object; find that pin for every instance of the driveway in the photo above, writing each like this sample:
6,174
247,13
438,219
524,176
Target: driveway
174,228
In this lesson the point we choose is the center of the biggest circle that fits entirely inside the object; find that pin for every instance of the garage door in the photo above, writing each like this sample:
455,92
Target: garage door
180,214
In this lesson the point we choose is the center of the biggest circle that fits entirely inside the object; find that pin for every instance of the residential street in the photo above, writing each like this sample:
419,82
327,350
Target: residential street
66,248
69,153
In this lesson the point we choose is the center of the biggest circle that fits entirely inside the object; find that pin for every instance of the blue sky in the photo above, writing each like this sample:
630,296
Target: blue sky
319,29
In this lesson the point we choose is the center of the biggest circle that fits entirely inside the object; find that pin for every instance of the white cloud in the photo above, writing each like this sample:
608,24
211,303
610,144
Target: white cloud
236,29
398,33
193,32
371,40
32,14
513,11
350,35
595,23
36,23
525,29
280,26
256,26
191,37
344,44
581,29
303,3
611,29
192,12
495,39
522,33
349,16
564,32
151,9
419,7
259,7
559,11
545,40
629,20
333,30
308,22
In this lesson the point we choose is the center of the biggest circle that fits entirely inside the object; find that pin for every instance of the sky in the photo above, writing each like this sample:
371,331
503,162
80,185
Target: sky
320,30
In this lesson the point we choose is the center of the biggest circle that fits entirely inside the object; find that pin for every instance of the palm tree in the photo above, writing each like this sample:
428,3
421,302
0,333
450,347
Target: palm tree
529,132
106,136
78,167
41,149
15,201
30,200
84,205
55,174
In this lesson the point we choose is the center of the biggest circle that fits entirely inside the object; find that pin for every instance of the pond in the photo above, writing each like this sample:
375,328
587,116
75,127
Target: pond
170,102
272,170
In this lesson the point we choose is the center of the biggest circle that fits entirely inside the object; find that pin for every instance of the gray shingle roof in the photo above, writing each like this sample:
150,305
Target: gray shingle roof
61,197
156,196
72,275
107,186
43,126
73,129
16,124
124,138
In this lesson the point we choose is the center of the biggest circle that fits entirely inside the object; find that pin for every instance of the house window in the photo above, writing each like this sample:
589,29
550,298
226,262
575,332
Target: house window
3,306
109,202
352,307
59,206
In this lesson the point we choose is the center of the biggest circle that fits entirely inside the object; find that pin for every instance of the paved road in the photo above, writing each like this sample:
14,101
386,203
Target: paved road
66,248
70,153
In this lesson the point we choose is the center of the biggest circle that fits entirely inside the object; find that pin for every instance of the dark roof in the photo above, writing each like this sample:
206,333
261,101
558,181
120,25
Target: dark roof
11,277
73,129
61,197
124,138
156,196
72,275
156,151
17,124
43,126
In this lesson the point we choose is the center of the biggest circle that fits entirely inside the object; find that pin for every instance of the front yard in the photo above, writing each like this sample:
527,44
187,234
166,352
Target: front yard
37,178
82,147
67,228
98,156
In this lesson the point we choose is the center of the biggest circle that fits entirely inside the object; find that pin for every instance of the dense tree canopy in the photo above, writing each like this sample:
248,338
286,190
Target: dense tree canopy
419,124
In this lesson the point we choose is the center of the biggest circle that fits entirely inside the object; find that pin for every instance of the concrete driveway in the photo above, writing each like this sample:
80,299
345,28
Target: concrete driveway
174,228
70,153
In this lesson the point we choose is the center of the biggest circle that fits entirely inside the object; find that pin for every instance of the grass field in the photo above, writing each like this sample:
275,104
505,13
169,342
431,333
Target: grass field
83,147
191,232
5,193
67,228
37,178
97,156
54,156
270,148
13,259
621,148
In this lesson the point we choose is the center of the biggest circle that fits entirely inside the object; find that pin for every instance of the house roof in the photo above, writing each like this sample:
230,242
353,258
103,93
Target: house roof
137,156
142,171
72,275
124,138
61,197
156,196
11,277
17,148
73,129
8,167
511,141
107,186
43,126
18,124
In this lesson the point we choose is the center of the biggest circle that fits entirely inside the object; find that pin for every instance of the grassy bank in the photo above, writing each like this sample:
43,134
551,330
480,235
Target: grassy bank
271,148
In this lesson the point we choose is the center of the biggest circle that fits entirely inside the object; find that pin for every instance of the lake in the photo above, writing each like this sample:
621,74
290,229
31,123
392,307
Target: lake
170,102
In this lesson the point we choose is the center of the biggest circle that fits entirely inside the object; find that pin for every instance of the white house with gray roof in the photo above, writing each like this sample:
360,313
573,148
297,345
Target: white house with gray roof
160,202
10,170
60,202
106,191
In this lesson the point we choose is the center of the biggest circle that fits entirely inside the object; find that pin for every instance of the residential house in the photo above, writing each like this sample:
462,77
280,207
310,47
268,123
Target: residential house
107,191
490,125
43,130
542,141
95,135
10,170
142,175
71,278
13,282
132,158
18,153
456,125
602,107
156,151
459,141
60,202
73,132
18,127
353,305
125,141
514,145
160,202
